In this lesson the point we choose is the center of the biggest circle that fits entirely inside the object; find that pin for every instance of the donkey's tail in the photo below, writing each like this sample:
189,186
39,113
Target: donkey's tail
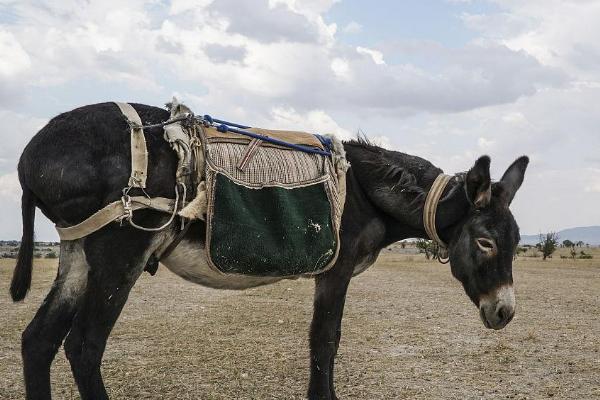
21,280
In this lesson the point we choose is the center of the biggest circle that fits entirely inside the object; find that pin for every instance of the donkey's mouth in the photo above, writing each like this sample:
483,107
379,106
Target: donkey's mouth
486,323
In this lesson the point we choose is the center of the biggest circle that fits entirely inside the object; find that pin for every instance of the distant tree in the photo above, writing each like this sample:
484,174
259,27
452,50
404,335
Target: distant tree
548,244
423,247
580,243
51,254
428,247
567,243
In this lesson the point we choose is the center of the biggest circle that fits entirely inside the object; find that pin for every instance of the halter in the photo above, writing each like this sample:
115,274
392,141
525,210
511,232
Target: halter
429,210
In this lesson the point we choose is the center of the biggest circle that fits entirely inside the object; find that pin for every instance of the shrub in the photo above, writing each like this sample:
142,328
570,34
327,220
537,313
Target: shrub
429,248
548,244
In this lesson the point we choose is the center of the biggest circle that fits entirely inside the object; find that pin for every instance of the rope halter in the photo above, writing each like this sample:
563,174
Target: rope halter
429,210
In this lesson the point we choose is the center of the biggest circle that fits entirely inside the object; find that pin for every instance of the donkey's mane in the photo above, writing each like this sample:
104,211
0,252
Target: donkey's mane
363,141
398,170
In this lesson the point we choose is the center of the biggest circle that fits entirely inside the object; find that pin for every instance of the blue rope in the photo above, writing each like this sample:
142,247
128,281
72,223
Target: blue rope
224,126
220,121
325,141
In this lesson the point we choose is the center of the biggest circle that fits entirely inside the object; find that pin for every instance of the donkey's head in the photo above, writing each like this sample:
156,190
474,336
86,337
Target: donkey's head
482,248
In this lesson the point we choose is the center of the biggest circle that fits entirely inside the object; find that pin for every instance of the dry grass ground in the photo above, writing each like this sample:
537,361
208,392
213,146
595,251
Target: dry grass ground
409,332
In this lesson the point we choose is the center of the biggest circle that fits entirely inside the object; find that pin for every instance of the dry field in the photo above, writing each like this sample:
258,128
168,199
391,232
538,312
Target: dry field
409,332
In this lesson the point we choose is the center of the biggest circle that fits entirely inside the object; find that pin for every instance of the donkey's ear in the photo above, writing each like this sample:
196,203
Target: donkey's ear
513,178
478,183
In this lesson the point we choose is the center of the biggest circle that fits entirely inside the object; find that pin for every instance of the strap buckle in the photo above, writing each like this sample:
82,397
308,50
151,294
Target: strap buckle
127,210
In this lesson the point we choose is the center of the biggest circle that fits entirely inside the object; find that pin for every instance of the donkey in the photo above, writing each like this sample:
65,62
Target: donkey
80,161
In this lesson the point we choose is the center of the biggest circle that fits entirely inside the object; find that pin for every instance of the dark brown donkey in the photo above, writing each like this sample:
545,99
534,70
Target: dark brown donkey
80,161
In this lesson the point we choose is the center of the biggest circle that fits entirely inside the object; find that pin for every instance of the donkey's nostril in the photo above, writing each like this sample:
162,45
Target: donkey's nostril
505,314
501,313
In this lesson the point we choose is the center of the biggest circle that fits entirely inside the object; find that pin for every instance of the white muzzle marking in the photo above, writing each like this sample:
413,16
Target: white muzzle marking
498,308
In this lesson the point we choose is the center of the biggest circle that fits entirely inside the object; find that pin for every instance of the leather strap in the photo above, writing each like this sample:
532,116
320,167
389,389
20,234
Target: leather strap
113,212
139,153
430,208
175,241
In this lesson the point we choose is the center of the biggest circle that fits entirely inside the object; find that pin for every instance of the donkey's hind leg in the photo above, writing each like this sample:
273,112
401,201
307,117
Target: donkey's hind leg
117,258
44,335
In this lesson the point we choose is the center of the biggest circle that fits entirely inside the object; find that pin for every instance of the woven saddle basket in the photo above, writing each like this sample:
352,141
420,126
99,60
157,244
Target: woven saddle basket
272,211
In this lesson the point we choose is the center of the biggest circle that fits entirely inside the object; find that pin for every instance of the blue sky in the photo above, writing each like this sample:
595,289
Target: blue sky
437,21
445,80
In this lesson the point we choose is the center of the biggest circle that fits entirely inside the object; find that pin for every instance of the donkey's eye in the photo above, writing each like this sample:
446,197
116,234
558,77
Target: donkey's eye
486,245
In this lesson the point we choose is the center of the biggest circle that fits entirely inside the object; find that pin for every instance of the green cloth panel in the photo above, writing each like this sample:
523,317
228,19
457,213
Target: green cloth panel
271,231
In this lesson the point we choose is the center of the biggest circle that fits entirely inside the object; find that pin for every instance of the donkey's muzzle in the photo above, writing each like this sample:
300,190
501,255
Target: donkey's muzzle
498,309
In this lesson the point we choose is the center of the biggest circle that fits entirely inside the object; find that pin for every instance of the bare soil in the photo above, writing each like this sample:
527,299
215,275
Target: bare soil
409,332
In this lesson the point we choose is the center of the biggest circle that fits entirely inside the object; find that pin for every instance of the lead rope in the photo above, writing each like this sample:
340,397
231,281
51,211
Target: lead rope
429,212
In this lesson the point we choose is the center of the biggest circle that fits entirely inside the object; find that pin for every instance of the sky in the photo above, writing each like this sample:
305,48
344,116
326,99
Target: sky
447,80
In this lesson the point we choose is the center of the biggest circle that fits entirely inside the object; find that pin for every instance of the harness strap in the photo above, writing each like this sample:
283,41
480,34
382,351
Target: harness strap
429,211
113,212
139,153
167,252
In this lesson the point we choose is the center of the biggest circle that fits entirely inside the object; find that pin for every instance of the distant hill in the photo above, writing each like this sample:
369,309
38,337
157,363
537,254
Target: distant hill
587,234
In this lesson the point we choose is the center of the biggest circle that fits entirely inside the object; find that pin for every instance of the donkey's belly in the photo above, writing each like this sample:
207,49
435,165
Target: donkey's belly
188,260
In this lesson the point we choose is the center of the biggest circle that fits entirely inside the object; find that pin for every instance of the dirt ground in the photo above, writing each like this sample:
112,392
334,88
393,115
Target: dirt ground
409,332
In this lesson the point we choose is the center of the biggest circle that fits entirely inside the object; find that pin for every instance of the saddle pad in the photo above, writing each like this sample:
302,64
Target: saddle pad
277,216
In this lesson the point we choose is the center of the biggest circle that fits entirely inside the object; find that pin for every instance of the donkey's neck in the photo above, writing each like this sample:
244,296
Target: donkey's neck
451,209
397,185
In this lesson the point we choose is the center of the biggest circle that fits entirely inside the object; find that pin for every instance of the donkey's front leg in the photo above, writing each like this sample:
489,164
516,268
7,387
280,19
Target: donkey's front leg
325,330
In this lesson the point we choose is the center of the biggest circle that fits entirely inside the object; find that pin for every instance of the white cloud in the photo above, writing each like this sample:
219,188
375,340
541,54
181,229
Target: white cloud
375,55
285,53
10,189
352,27
315,121
180,6
17,130
341,69
515,117
498,25
14,58
558,33
485,144
593,185
307,7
